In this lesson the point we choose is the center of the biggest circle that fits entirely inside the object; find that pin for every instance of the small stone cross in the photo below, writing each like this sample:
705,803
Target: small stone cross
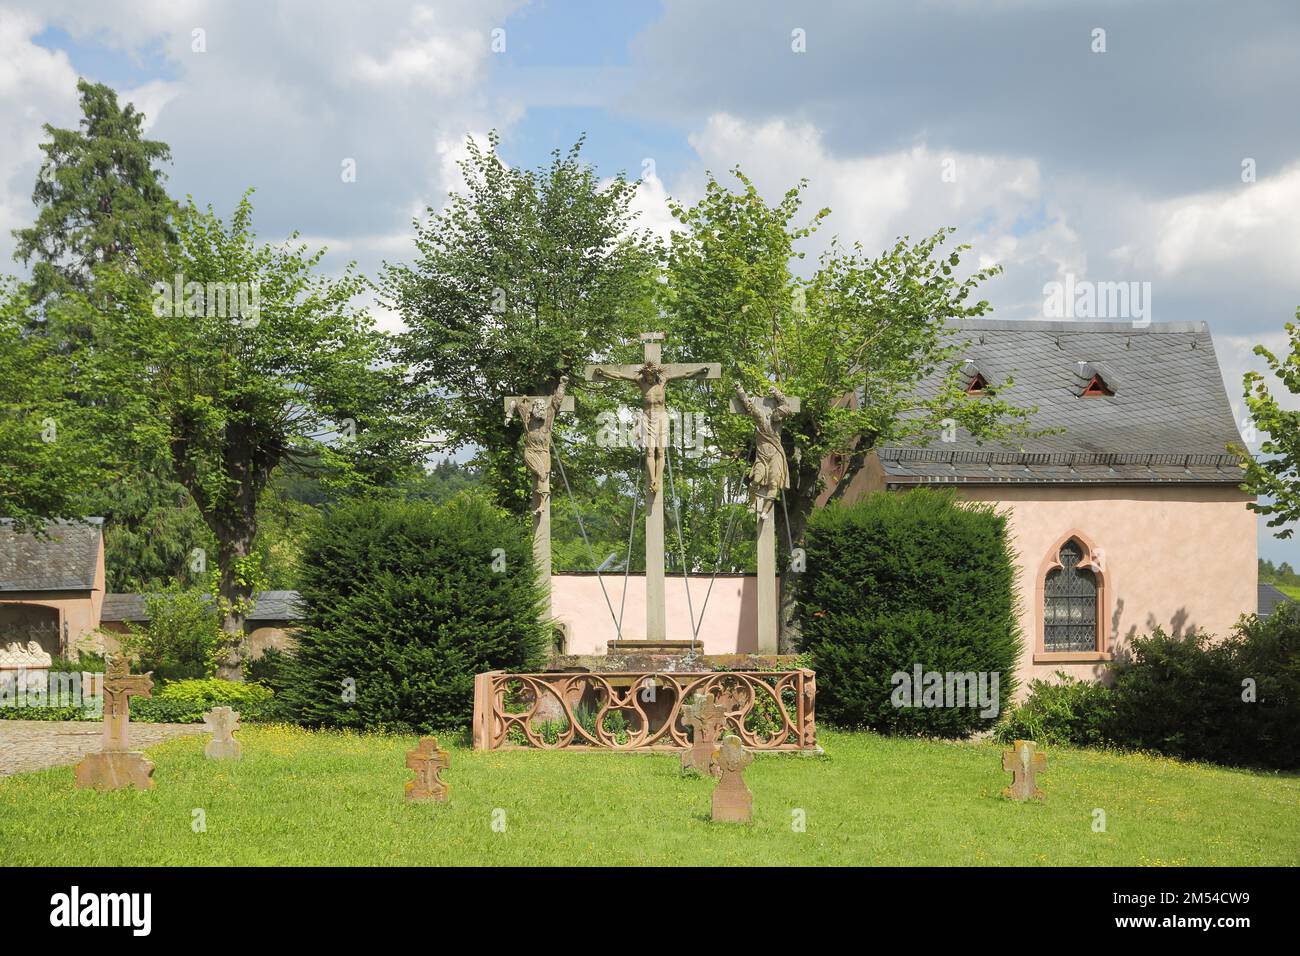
223,722
428,761
732,801
707,720
1025,763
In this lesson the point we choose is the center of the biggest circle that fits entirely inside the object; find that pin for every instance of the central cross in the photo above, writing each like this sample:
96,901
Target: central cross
652,377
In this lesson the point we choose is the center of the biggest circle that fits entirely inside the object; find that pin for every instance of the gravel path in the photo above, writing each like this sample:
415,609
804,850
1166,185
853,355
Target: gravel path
35,744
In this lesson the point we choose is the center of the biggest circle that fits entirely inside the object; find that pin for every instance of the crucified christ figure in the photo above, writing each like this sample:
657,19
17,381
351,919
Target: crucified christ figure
538,416
652,377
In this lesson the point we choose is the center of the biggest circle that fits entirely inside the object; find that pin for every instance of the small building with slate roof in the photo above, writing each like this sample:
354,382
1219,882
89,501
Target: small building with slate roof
51,584
1126,512
268,624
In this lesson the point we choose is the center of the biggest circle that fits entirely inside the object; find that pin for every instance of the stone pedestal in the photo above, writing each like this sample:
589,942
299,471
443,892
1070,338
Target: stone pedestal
115,770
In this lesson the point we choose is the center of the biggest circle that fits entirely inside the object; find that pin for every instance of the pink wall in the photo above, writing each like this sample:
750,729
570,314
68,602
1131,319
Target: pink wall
728,626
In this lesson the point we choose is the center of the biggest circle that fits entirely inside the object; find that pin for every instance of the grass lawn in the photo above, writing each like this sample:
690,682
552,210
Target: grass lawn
326,798
1290,590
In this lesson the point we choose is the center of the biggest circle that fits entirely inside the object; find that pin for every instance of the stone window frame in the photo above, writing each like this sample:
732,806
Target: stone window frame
1090,561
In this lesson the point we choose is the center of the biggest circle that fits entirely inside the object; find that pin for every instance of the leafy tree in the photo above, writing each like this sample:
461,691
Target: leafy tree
1275,477
98,192
525,276
51,448
852,340
260,361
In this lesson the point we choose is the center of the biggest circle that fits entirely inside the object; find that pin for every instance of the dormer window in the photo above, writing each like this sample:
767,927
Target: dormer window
977,385
1097,386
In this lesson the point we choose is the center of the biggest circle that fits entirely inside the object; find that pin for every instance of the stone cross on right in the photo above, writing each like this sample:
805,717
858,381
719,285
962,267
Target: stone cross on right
767,479
1025,763
223,722
732,801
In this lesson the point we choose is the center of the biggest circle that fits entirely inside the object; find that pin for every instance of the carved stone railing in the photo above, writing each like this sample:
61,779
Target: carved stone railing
639,711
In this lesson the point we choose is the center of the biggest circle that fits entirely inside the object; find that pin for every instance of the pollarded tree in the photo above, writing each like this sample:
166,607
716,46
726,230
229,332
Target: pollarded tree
233,358
853,340
98,191
1275,477
525,276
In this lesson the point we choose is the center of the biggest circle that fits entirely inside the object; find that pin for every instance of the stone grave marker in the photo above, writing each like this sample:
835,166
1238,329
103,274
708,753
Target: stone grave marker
1025,763
428,761
732,801
223,722
707,719
115,767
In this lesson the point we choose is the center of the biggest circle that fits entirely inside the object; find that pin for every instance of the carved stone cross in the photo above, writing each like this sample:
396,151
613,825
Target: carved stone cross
1025,763
707,719
769,476
732,801
223,722
652,377
428,761
115,767
538,412
120,685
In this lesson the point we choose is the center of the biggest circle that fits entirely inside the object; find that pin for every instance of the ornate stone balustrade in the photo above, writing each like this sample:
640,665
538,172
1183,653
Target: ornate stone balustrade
640,711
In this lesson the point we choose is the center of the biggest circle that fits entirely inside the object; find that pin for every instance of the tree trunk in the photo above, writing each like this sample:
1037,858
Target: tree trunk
799,503
235,599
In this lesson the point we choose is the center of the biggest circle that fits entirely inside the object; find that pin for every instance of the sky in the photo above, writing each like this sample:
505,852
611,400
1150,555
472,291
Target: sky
1144,141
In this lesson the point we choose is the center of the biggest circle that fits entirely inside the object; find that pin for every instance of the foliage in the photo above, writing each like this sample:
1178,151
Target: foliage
181,639
52,453
97,192
898,580
1064,711
186,701
270,670
526,275
856,325
403,605
1189,696
1275,477
258,359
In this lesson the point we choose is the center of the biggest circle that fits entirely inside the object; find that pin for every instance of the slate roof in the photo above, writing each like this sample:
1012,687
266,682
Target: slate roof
268,606
1168,420
63,560
1269,598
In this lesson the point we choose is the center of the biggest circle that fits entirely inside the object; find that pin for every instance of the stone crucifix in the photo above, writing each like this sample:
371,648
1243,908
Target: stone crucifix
1025,763
767,478
538,412
652,377
120,685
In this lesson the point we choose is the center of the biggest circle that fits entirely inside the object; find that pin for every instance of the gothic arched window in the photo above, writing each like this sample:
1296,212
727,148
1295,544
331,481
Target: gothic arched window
1070,603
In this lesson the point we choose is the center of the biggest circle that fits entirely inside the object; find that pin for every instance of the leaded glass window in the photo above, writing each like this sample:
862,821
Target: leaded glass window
1070,604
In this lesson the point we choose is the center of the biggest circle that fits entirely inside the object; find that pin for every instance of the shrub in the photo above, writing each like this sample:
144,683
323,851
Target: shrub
1187,696
186,701
181,638
898,580
1066,711
403,604
269,670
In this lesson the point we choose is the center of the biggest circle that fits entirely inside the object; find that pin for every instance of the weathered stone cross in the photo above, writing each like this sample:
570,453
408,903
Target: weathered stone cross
223,722
769,476
652,377
1025,763
428,761
707,719
538,415
120,685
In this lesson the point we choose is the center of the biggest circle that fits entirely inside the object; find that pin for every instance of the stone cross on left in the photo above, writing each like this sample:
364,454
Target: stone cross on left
115,767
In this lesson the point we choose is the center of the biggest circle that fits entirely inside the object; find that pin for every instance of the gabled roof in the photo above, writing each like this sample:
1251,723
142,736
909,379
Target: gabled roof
268,606
1168,420
64,559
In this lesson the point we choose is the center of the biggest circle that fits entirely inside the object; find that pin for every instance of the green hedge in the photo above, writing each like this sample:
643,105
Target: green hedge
1064,711
899,580
186,701
403,604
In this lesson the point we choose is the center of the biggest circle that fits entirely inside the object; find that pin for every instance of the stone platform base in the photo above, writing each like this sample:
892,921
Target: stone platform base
114,770
634,657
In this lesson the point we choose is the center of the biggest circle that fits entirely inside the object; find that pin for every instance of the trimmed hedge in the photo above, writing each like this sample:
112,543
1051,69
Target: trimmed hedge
403,604
899,580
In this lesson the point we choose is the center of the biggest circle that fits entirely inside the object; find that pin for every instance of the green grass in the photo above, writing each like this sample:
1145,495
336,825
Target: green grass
327,798
1290,590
